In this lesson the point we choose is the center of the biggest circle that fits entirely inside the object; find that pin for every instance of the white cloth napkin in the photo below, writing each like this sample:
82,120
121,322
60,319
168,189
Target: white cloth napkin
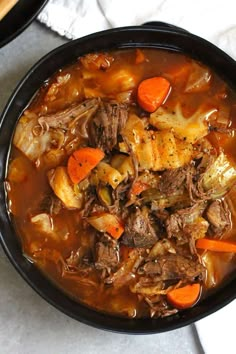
214,20
217,332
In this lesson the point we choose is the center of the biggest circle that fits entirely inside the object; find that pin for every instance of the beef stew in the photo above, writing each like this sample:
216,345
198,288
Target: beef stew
122,177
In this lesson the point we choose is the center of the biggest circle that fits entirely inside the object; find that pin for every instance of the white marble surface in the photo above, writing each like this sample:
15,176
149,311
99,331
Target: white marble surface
28,325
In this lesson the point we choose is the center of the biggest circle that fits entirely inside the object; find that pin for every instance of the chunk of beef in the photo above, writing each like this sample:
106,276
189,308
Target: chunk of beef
107,124
107,253
139,231
187,225
190,177
173,180
63,118
218,216
173,267
173,225
187,221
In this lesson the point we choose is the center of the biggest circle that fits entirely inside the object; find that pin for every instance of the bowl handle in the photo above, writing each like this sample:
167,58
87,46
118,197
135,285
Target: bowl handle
163,25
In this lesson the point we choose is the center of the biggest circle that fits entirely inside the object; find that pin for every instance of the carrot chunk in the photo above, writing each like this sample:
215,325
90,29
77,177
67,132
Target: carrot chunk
140,57
184,297
179,72
153,92
216,245
116,230
138,187
82,161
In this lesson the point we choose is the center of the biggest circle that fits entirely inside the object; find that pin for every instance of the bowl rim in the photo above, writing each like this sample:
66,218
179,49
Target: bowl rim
87,315
24,24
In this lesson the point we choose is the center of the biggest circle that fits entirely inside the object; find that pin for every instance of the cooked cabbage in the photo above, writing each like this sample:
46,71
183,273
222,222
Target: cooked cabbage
219,177
25,140
188,129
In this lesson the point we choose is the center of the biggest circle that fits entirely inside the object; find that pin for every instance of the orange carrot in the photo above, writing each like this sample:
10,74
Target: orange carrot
179,72
116,230
140,57
184,297
153,92
138,187
82,161
216,245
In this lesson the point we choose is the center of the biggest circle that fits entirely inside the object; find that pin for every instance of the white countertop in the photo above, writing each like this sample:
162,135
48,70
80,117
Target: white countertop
28,324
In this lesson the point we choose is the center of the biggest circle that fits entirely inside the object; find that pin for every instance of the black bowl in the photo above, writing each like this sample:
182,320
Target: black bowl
19,18
154,35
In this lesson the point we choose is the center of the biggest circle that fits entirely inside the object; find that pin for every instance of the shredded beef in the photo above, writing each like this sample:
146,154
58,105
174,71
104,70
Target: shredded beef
74,258
173,267
218,216
160,213
138,230
194,178
119,196
78,263
88,206
107,125
107,253
159,307
76,111
194,186
50,204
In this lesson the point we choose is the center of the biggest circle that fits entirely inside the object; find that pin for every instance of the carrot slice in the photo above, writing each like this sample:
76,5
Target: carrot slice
216,245
153,92
116,230
140,57
184,297
82,161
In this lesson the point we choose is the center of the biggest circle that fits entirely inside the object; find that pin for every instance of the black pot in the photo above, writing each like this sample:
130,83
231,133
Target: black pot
153,35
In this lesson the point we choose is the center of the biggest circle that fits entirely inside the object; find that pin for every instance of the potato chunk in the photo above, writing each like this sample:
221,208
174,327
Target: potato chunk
63,188
108,174
155,150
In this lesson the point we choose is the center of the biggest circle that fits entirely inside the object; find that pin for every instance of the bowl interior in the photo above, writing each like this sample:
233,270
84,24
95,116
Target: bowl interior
170,39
